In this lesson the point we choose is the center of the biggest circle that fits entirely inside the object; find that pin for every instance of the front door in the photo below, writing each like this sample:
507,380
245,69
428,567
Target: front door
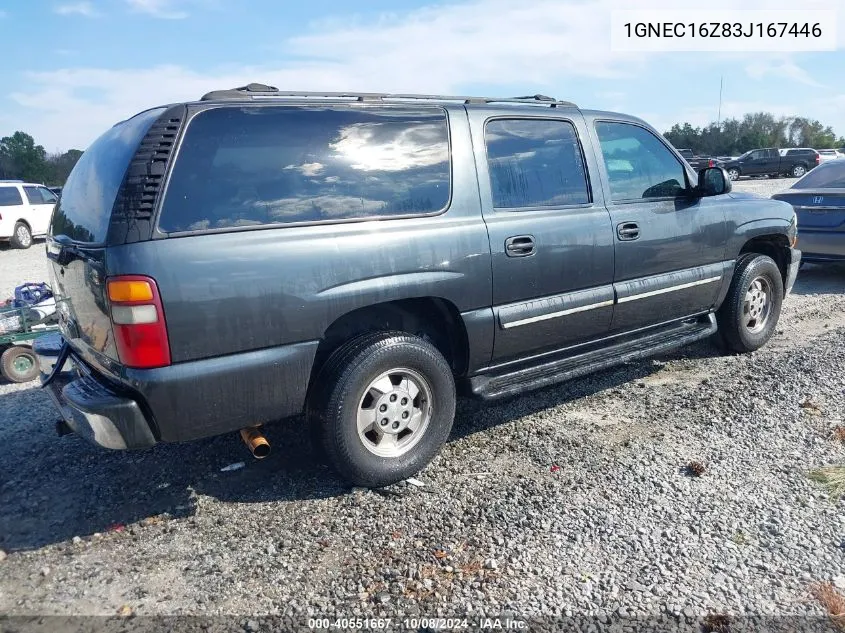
551,241
41,203
669,246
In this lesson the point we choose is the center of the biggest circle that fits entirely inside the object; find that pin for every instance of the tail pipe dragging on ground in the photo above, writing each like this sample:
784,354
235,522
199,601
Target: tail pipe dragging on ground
255,442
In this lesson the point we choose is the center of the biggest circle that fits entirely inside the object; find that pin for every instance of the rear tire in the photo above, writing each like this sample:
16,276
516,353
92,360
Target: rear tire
19,364
21,237
370,399
798,171
733,173
749,315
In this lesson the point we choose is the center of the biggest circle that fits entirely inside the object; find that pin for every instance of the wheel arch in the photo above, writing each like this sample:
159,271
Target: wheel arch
774,245
435,319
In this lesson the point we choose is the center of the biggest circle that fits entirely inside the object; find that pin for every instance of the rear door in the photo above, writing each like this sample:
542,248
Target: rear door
550,234
76,242
41,202
669,247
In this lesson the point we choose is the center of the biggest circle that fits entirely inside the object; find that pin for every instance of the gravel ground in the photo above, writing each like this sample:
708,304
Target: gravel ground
573,500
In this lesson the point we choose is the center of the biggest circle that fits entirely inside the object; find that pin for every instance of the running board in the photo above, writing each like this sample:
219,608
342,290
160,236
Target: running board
515,382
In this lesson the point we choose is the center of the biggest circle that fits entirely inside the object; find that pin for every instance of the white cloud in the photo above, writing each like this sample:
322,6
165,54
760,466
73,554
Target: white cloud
85,9
780,68
542,45
163,9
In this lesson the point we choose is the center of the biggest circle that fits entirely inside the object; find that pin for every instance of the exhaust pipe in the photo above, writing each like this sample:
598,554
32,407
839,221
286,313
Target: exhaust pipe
255,442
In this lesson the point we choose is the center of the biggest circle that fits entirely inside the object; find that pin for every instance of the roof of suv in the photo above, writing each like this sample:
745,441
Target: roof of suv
252,93
256,91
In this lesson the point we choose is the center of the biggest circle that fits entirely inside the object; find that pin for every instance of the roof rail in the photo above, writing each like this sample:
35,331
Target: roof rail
262,91
11,181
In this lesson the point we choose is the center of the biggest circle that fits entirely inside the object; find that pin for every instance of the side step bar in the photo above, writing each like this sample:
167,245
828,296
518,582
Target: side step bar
515,382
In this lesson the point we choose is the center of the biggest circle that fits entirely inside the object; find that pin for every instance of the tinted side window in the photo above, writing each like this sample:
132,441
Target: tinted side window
535,163
10,196
88,196
243,166
638,164
34,196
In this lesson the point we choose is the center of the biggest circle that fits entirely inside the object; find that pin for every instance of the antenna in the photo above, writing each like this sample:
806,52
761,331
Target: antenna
721,84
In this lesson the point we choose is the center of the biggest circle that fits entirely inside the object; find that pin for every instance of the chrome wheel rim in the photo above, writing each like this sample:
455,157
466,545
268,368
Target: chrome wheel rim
757,306
799,171
394,412
23,235
733,174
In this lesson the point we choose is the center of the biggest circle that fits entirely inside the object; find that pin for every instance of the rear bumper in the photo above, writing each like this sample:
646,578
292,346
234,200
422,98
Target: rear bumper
183,402
792,271
88,406
822,245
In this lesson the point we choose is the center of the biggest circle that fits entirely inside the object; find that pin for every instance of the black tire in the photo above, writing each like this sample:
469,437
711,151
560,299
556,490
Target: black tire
337,392
798,171
21,236
738,329
19,364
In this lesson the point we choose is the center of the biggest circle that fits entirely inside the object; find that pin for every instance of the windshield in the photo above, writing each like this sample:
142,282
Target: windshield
745,155
85,206
831,175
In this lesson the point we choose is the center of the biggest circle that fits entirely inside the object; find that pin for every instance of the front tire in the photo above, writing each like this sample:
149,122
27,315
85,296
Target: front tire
749,315
382,407
18,364
21,237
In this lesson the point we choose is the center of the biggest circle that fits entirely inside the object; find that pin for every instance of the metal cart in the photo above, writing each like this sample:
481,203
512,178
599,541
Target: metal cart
18,328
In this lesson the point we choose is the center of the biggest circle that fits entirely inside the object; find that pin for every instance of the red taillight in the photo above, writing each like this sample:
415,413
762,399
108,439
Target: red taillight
818,159
711,163
140,332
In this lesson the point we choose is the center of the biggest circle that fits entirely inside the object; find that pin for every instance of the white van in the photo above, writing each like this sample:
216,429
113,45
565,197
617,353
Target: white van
25,210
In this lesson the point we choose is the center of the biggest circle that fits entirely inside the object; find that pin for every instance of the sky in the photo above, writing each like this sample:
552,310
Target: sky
72,68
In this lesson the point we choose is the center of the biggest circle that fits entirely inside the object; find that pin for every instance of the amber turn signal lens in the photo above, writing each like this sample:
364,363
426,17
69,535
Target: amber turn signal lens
128,291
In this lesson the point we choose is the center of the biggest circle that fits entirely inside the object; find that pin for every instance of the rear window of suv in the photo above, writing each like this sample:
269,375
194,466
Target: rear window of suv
84,209
264,165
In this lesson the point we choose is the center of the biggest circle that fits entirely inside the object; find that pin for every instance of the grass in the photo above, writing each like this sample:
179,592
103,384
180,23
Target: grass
831,600
832,478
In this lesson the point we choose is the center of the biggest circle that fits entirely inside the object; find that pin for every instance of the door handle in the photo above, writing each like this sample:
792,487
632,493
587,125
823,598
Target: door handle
628,231
519,246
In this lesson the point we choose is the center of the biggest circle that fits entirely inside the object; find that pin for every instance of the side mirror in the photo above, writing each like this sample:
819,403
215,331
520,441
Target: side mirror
713,181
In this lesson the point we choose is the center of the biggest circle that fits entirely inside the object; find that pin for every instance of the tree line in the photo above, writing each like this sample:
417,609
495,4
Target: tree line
760,129
22,159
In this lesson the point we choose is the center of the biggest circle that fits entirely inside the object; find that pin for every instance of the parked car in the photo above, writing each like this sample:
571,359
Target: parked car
362,258
830,154
793,162
819,200
25,210
698,162
56,190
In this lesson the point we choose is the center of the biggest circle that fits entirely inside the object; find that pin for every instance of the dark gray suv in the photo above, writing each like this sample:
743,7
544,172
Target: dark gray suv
254,255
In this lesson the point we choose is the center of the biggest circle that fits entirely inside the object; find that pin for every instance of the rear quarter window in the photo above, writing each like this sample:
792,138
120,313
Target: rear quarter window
267,165
84,209
10,197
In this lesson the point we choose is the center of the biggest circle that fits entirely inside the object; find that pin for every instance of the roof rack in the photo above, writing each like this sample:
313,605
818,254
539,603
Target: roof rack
16,181
262,91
